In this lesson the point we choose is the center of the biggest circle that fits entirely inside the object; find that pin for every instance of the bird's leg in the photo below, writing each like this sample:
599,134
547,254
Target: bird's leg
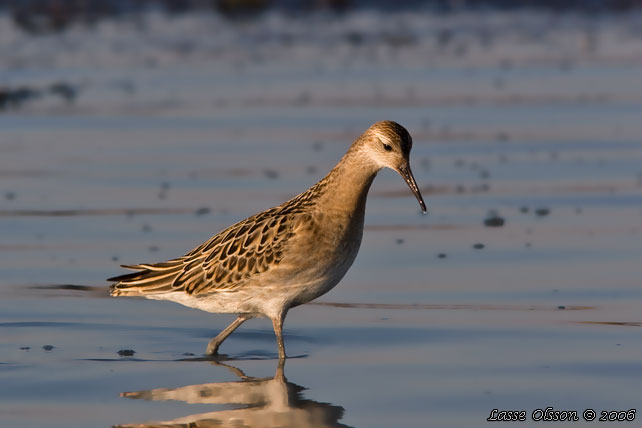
277,323
280,370
212,347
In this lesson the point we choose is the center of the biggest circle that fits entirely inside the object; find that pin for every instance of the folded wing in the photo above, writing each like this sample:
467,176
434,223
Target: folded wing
225,262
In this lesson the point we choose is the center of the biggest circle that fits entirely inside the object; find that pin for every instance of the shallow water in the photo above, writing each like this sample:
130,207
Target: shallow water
547,313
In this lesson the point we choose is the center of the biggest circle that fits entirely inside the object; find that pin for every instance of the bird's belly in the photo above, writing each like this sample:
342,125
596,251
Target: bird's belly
232,302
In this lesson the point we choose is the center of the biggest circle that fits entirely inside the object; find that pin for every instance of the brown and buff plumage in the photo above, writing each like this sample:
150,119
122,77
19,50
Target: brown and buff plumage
285,256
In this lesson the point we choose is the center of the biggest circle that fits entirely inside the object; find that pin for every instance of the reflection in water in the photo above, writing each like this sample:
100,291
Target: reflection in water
264,402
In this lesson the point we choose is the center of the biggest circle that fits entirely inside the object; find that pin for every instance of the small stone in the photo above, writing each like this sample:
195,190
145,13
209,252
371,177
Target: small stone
441,255
542,212
48,347
561,307
478,246
494,220
25,348
399,241
503,137
126,352
271,174
202,211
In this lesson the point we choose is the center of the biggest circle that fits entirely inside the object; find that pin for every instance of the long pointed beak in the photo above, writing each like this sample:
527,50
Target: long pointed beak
406,173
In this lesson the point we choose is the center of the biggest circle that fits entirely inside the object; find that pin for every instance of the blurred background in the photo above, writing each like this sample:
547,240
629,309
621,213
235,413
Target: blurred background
131,131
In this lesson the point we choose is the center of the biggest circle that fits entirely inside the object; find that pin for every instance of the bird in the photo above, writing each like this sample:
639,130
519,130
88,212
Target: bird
284,256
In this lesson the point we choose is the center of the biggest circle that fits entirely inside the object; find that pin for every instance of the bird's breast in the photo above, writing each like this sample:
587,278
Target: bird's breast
321,256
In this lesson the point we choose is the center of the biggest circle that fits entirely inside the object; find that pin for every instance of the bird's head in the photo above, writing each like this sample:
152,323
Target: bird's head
388,145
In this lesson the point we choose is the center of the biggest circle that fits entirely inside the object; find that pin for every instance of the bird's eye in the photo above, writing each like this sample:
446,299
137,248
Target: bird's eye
387,147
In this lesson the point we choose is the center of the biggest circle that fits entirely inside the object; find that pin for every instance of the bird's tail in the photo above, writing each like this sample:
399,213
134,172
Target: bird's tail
149,278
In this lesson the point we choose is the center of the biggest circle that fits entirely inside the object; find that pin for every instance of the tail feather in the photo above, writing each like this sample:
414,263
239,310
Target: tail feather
157,267
149,279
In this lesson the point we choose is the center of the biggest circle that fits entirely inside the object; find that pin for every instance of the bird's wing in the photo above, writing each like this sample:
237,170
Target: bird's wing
238,253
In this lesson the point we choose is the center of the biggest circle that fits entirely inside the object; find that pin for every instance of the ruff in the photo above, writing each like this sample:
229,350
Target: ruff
285,256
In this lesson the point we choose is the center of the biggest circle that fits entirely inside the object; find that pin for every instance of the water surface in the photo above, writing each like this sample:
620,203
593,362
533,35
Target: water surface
162,149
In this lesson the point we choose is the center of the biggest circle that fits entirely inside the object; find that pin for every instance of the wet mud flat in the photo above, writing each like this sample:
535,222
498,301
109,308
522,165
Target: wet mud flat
448,365
519,290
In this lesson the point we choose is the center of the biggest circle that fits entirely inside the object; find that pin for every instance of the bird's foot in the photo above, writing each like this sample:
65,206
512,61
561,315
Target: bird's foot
212,348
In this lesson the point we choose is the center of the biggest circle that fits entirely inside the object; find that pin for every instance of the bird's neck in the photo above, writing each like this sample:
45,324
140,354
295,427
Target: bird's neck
345,188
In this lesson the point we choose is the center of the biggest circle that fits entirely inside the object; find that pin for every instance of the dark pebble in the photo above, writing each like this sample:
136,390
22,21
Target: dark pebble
48,347
399,241
542,212
153,248
188,354
25,348
271,174
484,187
126,352
503,137
561,307
478,246
494,220
523,210
10,196
202,211
441,255
64,90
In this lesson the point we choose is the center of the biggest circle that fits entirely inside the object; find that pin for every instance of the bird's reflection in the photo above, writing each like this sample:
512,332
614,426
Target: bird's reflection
263,403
